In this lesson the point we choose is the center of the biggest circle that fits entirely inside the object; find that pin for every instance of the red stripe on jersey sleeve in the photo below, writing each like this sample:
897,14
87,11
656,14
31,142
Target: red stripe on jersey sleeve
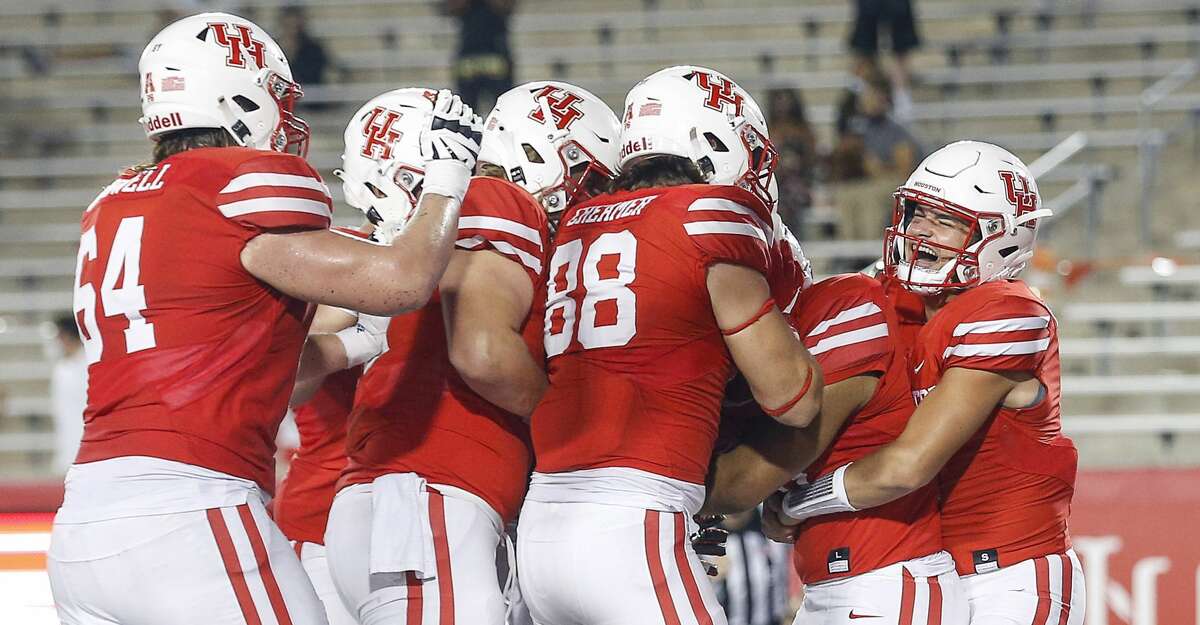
843,323
725,230
276,191
1007,344
497,215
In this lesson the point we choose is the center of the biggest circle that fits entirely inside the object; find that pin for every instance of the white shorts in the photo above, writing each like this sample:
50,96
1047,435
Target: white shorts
464,588
312,556
600,564
1041,591
922,591
222,566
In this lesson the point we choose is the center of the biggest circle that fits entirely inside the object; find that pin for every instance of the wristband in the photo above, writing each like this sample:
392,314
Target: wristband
359,344
825,495
446,177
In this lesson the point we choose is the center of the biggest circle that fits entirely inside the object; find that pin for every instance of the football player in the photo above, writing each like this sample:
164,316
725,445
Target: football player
438,437
655,291
191,287
301,508
884,563
985,374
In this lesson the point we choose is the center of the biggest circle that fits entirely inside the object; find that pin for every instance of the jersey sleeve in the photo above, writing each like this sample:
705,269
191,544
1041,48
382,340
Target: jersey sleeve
1008,334
498,216
791,272
274,191
844,326
728,225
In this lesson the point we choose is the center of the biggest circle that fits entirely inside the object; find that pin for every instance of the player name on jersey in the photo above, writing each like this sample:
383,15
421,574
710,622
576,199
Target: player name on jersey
611,212
148,180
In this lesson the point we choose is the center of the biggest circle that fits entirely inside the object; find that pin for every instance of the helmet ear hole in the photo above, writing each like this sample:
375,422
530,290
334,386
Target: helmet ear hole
715,143
532,154
1008,251
247,104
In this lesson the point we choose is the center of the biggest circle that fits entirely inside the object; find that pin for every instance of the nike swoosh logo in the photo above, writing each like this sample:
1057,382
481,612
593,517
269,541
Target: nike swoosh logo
853,615
918,368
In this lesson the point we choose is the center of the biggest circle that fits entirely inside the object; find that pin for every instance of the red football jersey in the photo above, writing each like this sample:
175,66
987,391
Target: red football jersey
637,364
301,509
192,358
414,413
1006,494
851,330
909,309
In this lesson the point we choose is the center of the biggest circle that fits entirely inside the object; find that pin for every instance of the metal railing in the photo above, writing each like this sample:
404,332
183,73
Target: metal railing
1088,187
1151,140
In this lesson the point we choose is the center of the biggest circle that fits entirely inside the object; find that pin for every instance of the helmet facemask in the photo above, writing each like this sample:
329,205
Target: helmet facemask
291,134
927,266
761,162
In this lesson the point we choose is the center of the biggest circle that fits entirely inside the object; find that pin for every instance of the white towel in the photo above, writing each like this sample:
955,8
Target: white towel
401,538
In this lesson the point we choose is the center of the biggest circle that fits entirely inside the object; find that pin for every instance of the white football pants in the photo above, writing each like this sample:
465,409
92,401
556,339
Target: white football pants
221,566
312,556
598,564
923,591
1041,591
464,589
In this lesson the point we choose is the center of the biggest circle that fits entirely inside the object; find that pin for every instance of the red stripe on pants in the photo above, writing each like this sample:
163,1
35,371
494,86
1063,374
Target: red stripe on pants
1068,573
1041,568
685,571
657,576
935,602
264,566
441,549
416,601
232,566
908,598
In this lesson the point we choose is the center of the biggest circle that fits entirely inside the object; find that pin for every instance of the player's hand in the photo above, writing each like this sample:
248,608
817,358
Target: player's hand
709,539
450,146
365,340
772,525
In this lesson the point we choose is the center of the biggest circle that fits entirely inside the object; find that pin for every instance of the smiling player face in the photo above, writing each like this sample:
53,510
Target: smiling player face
941,233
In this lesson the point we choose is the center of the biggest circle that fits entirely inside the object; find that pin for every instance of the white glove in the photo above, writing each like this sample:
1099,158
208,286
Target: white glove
365,340
450,146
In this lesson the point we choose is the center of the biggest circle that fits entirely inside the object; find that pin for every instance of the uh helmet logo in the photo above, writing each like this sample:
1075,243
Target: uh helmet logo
381,133
720,92
561,104
239,43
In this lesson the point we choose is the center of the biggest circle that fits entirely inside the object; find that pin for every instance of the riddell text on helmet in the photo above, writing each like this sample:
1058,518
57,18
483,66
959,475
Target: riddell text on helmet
638,145
161,122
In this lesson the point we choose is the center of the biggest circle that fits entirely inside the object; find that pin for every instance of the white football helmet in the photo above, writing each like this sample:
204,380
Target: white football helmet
701,115
984,186
541,132
216,70
382,167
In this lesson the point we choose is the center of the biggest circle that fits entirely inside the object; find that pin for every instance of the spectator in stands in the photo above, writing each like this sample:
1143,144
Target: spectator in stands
753,576
898,15
793,136
68,391
307,56
873,155
484,68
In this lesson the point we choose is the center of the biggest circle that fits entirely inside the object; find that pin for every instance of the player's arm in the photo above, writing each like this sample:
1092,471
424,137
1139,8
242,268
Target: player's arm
942,423
783,376
326,268
771,454
323,353
486,299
